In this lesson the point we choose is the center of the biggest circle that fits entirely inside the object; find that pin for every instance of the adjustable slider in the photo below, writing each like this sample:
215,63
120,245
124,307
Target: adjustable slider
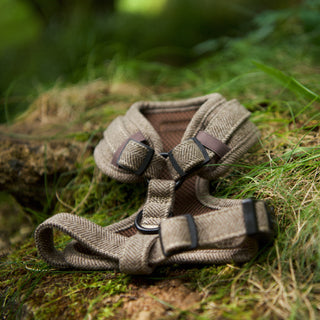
185,158
174,239
143,155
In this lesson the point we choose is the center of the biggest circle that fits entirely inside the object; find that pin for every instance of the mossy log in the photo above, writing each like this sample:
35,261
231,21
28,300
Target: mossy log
27,168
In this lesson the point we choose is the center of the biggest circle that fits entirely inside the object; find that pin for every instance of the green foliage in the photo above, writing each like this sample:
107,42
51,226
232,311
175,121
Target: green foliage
55,292
18,24
80,41
289,82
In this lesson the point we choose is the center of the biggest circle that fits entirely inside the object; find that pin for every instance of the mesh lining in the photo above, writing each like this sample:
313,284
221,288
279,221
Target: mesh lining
128,232
170,126
186,200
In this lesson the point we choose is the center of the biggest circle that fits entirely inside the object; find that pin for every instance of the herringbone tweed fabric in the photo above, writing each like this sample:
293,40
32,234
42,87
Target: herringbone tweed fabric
168,143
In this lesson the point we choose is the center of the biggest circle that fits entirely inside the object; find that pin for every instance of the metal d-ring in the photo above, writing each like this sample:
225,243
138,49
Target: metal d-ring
141,228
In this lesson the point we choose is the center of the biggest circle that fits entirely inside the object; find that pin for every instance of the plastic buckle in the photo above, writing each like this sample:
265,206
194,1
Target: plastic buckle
144,163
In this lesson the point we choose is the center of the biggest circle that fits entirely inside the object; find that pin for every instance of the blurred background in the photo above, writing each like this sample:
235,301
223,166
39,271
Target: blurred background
44,43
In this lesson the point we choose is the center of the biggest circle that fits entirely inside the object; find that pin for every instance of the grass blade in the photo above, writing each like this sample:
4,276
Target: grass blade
289,82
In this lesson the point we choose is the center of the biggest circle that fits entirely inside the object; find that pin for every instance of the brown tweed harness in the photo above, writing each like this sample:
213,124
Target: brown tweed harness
177,147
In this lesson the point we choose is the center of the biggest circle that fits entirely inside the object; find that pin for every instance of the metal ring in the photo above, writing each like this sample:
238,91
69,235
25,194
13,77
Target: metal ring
143,229
178,183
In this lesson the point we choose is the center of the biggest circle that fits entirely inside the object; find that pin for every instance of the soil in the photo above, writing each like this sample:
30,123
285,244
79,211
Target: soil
153,301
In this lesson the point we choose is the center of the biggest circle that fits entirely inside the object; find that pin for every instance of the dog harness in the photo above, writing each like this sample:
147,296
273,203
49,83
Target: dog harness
177,147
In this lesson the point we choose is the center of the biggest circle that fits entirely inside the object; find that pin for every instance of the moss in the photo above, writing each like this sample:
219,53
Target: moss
41,293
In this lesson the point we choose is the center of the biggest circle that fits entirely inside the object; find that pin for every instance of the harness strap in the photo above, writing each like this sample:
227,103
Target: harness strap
132,150
209,144
100,248
136,156
222,228
194,153
78,256
219,132
158,206
91,236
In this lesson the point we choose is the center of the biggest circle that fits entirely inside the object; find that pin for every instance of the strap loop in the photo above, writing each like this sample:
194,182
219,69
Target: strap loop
194,153
180,236
213,144
135,156
250,216
187,157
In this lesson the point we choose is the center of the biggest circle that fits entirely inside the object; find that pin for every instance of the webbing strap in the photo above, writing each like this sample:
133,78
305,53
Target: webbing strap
136,156
159,203
101,248
194,153
222,228
91,236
